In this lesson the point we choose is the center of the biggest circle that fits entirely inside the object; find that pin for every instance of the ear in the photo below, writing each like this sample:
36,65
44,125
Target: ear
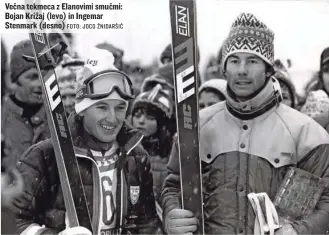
225,74
268,74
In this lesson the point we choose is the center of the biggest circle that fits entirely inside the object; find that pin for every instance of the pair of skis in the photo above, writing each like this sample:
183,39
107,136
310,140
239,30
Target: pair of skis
184,43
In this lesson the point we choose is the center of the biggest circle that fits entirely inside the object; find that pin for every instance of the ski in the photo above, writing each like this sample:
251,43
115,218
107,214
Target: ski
45,59
184,44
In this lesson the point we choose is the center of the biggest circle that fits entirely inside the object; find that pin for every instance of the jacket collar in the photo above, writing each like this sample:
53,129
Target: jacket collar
127,139
36,119
266,99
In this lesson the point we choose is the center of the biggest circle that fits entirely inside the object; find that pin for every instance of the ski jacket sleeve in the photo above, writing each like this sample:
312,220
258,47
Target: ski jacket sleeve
170,197
317,163
35,166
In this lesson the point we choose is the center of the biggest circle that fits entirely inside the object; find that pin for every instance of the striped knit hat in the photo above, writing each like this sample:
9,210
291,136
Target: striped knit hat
248,34
158,98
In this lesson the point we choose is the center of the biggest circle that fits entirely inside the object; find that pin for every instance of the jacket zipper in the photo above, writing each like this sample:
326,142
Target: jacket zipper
96,181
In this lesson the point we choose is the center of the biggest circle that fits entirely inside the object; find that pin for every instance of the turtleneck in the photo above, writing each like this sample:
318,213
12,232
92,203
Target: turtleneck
264,100
29,110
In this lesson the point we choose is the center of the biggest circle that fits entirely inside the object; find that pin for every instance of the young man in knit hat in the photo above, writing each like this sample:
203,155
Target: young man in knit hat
24,119
114,168
247,144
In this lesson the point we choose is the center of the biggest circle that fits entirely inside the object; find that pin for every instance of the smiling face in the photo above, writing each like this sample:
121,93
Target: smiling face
104,119
245,73
28,87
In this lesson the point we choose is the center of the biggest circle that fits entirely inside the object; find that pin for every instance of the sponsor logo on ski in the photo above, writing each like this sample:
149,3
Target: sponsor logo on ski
134,194
182,20
184,67
185,78
52,89
39,37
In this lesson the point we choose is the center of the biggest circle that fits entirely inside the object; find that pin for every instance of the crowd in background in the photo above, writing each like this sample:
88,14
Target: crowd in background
152,112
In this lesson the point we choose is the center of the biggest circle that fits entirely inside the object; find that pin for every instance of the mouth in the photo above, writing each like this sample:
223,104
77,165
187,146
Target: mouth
243,83
107,127
37,94
143,131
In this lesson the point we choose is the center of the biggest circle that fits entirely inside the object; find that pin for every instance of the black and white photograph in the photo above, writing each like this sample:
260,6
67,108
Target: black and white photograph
164,117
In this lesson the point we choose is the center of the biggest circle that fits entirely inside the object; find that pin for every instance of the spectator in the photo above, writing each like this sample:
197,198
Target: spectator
23,111
288,89
212,92
317,101
151,114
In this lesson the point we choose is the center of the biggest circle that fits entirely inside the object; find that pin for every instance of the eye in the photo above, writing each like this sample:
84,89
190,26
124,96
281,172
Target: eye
138,114
101,107
253,61
121,107
33,77
233,61
150,117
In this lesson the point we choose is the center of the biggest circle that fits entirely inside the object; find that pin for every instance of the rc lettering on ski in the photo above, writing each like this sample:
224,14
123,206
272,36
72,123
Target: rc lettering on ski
61,125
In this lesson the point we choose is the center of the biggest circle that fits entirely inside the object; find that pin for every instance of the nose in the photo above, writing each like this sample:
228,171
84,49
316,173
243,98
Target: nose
242,69
36,83
141,119
110,116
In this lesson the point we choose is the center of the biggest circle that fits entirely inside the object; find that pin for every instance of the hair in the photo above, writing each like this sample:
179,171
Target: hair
213,90
158,143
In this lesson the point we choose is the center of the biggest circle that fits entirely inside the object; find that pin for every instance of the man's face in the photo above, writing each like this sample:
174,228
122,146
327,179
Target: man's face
287,99
29,87
104,119
68,90
245,74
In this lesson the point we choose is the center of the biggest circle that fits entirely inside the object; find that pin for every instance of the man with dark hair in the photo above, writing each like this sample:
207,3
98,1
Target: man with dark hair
247,144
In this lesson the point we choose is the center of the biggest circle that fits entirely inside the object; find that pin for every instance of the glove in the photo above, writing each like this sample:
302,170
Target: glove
79,230
286,229
179,221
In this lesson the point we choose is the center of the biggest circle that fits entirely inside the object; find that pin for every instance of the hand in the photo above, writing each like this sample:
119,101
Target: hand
76,231
179,221
11,187
286,229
